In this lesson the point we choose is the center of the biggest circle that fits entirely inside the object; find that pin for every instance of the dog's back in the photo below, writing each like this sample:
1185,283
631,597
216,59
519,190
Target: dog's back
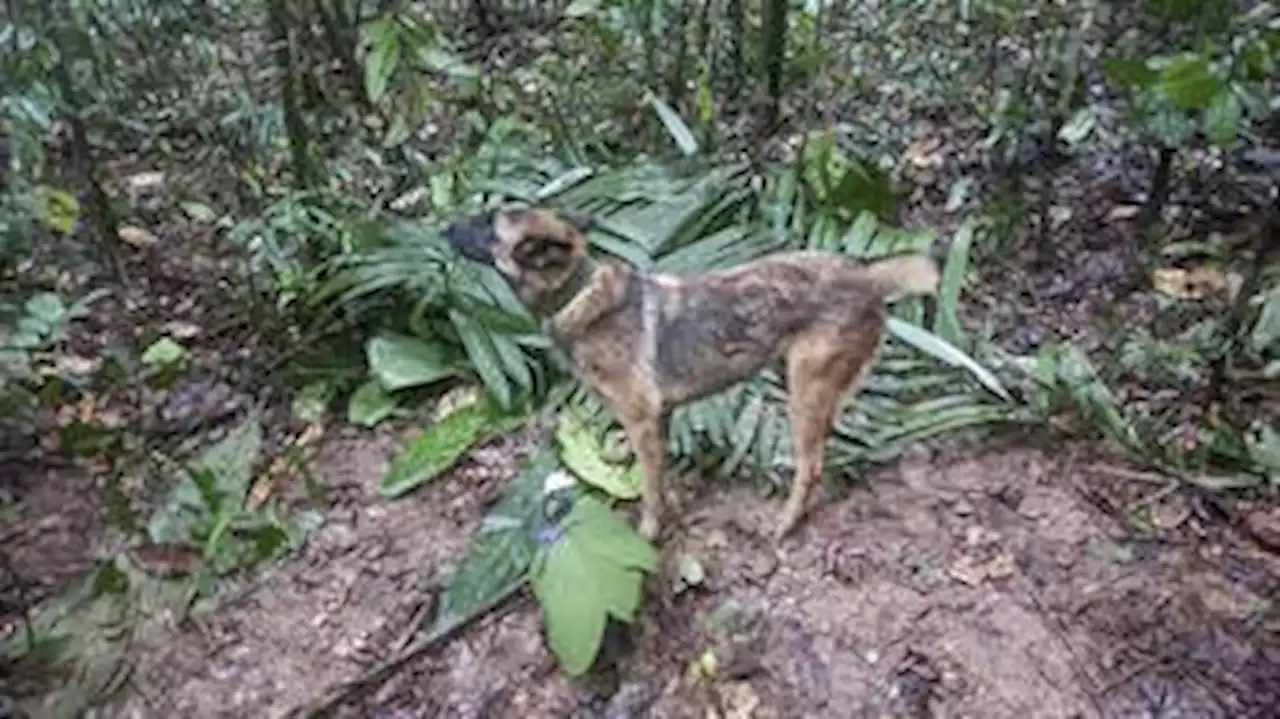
719,328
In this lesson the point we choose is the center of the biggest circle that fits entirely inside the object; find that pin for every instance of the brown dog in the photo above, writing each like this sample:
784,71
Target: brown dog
650,342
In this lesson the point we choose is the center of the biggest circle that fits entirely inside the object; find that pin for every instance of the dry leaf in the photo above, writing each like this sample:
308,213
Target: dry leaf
740,700
144,181
1123,212
136,236
1189,284
973,573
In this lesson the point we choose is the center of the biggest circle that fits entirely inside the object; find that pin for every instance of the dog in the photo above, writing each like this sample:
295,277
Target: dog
648,343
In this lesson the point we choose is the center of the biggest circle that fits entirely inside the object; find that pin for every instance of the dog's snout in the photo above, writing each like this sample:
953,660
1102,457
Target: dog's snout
472,238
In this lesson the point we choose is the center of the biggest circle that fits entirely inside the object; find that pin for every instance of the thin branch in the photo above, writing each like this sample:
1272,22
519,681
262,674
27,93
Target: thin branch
378,675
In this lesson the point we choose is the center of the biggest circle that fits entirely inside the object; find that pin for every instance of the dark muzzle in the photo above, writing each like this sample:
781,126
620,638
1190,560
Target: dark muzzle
473,237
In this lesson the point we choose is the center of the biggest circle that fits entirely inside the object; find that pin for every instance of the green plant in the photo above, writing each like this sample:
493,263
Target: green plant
207,509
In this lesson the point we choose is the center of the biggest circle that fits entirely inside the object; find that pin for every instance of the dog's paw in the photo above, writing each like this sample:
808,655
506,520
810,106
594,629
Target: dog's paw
786,524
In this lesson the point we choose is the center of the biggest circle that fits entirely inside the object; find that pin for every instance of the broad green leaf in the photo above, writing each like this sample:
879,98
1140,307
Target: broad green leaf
484,358
568,589
857,241
581,454
398,362
370,404
437,448
384,55
47,309
593,571
503,548
946,323
163,352
940,349
1135,74
1189,81
676,126
612,539
1172,128
1222,119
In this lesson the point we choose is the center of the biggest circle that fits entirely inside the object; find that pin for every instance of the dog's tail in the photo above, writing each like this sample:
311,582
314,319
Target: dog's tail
905,275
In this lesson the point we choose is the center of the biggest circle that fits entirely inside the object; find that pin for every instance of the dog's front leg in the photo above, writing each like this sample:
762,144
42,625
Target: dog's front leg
645,433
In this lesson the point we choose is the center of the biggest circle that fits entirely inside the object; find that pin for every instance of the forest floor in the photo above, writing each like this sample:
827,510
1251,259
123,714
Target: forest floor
993,582
1007,579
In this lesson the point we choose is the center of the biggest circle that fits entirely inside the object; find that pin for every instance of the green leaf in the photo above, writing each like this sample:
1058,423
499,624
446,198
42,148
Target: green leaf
610,537
946,323
940,349
1266,330
312,401
503,548
1189,82
1133,74
1222,119
437,448
581,454
483,356
594,571
163,352
57,209
383,57
676,126
1081,124
47,309
398,362
1263,444
370,404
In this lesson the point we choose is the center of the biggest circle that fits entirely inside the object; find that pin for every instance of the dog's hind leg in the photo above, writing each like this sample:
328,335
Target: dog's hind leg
824,367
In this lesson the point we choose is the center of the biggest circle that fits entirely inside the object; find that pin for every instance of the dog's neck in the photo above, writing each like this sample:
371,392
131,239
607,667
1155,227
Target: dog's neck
558,299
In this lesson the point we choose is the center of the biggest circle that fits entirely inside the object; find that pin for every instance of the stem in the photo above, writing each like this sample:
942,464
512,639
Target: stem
295,126
1159,189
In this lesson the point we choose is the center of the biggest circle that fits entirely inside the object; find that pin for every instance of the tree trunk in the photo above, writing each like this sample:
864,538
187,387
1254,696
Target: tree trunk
774,55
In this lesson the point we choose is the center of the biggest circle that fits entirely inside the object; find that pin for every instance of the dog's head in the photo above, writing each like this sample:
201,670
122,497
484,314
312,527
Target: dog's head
536,250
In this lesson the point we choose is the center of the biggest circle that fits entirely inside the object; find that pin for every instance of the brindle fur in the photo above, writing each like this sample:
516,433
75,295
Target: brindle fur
648,343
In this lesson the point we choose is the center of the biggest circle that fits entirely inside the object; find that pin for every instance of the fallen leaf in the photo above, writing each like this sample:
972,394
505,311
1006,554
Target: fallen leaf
740,700
77,365
973,573
1123,212
968,571
182,330
1170,514
136,236
143,181
705,666
1193,284
690,573
199,212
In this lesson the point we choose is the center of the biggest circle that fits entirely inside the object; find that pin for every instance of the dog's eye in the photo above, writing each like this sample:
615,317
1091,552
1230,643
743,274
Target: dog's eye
540,252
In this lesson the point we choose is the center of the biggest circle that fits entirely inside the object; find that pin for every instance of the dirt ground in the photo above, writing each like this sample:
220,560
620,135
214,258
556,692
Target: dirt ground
959,583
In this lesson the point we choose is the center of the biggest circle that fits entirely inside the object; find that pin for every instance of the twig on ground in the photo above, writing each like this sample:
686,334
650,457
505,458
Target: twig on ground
376,676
